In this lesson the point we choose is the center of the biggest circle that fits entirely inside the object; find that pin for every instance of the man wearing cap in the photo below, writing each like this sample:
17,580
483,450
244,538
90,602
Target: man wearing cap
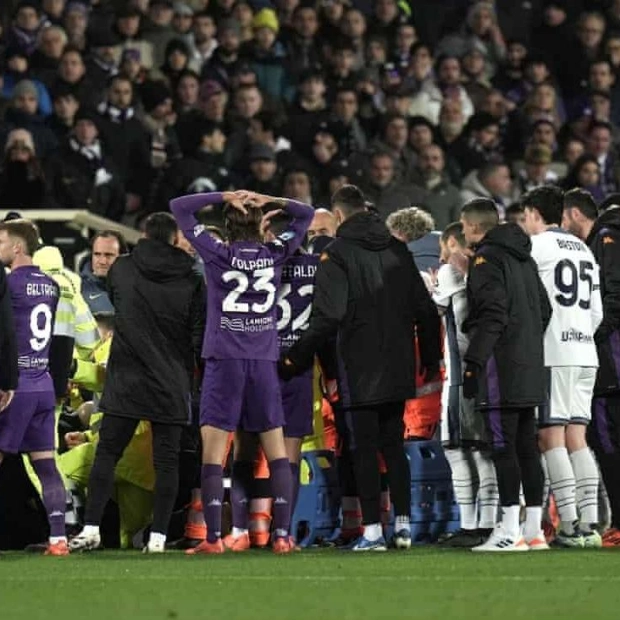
264,170
182,21
101,62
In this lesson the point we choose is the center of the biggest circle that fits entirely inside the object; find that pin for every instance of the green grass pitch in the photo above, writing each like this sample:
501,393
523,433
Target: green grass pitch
424,583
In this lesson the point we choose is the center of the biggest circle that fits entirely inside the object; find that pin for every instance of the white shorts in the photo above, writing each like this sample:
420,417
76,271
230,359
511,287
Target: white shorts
569,396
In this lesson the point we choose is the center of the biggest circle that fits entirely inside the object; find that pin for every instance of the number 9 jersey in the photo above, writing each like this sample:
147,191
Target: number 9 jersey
570,274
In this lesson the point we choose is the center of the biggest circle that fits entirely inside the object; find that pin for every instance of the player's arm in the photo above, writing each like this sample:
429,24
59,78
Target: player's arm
184,210
301,218
610,275
596,302
488,297
9,374
329,306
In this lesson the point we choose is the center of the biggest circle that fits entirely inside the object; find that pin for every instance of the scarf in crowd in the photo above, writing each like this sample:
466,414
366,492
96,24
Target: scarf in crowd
116,115
94,155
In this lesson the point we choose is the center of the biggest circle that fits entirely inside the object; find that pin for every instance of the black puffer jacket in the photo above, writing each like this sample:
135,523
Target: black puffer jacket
159,323
508,313
369,293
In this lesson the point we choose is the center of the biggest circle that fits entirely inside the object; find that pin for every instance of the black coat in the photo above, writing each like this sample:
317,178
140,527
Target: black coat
508,313
369,293
604,241
159,323
72,179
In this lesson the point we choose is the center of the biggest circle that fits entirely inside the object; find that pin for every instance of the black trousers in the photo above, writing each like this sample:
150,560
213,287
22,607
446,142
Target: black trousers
604,439
114,436
514,449
372,430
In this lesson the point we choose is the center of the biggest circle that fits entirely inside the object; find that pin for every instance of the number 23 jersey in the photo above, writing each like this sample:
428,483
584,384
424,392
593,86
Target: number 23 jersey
34,297
570,274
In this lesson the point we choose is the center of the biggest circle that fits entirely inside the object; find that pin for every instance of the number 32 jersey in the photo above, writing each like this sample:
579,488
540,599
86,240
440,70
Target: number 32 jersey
34,297
570,274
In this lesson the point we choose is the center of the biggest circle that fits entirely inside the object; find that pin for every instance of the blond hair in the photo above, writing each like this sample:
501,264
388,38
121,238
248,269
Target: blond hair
410,223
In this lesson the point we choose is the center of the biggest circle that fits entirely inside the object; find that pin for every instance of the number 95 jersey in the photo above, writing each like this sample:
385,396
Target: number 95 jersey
570,274
34,297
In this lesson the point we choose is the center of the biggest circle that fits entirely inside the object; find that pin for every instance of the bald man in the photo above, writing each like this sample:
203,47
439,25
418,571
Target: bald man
323,224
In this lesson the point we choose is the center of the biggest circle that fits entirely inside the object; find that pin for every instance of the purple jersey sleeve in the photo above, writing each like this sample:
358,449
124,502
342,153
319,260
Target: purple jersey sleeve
184,210
288,242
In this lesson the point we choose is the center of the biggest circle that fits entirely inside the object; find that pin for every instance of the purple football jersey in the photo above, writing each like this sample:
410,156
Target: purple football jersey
34,297
295,298
242,281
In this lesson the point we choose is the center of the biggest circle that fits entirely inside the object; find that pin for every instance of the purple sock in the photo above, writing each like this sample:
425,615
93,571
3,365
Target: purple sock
54,495
212,497
295,483
242,477
281,489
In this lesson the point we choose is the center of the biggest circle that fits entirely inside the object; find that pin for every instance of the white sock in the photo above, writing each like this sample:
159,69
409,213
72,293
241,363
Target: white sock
156,538
91,530
488,493
373,531
402,523
239,531
510,520
533,521
464,483
587,481
562,481
56,539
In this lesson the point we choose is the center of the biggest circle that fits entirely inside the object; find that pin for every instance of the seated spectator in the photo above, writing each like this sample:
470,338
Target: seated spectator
475,73
599,144
343,117
101,61
83,176
266,54
302,49
393,139
482,145
244,14
128,30
586,174
22,184
46,58
26,22
62,119
384,190
130,66
22,113
203,41
72,74
186,92
53,10
177,57
158,30
18,69
442,199
75,23
536,170
340,74
264,177
573,149
297,186
491,181
226,57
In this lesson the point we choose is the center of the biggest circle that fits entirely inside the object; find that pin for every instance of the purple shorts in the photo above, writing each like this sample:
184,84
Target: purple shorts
241,394
29,423
298,404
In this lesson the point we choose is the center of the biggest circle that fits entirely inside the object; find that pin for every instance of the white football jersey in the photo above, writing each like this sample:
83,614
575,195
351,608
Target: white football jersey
570,274
451,297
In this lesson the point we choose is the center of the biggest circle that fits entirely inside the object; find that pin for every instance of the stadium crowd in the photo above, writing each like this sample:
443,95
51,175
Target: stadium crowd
464,126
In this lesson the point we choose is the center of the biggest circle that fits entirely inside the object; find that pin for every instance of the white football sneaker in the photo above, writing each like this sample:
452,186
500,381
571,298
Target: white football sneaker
85,541
502,541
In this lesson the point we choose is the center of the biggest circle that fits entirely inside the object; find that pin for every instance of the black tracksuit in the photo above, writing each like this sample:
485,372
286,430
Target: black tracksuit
604,431
508,313
369,294
159,322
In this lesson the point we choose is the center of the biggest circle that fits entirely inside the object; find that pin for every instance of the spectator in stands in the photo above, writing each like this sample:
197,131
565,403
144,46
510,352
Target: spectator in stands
17,70
599,144
72,74
22,184
27,20
177,57
75,23
128,30
83,176
264,178
586,174
475,73
187,90
182,21
384,190
202,41
573,149
62,118
536,171
393,140
225,58
301,45
297,185
46,58
482,145
491,181
159,31
346,123
107,246
22,113
442,199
